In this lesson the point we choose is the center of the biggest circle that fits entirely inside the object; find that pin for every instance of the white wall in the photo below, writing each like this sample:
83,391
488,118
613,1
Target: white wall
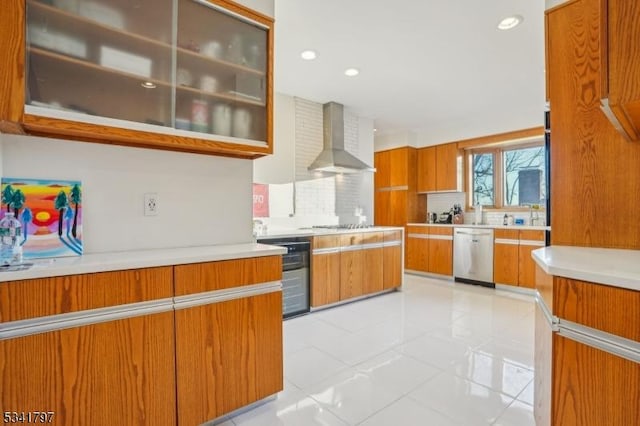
279,167
386,141
203,199
266,7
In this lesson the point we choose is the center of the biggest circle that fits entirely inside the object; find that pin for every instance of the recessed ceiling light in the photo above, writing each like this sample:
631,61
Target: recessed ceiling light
351,72
510,22
309,55
148,85
375,130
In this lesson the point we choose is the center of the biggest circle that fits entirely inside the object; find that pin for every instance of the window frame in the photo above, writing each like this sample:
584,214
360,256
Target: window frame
498,173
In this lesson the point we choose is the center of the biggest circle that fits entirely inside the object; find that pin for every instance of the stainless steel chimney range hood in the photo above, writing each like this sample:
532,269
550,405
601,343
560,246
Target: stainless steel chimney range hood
334,158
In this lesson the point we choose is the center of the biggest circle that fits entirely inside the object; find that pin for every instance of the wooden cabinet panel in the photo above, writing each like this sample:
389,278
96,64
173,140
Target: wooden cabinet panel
326,241
591,152
526,266
610,309
373,270
426,169
447,178
417,254
507,234
532,235
351,274
382,163
544,285
392,268
398,208
325,279
372,237
441,257
399,175
209,276
58,295
228,355
120,372
505,263
440,230
592,387
621,64
543,379
351,239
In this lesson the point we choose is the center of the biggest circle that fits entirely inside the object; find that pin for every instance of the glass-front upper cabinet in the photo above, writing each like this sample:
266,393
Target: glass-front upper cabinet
109,59
188,70
221,73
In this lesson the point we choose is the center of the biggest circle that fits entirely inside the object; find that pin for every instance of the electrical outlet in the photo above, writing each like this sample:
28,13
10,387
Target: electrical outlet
151,204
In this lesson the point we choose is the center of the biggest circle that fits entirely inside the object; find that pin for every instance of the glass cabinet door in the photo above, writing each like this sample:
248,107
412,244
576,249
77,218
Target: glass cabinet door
221,72
107,58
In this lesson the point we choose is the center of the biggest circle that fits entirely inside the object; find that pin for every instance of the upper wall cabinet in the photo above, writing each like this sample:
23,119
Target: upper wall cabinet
186,75
620,61
440,168
395,168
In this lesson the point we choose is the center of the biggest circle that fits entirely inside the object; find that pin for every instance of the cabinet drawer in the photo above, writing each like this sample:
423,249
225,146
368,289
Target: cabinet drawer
506,234
209,276
532,235
60,295
372,237
417,230
351,239
326,241
437,230
392,236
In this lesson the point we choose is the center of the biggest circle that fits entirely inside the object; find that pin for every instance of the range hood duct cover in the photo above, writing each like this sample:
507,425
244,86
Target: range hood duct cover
334,158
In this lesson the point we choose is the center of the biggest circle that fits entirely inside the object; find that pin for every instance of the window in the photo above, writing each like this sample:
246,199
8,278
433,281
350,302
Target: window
508,176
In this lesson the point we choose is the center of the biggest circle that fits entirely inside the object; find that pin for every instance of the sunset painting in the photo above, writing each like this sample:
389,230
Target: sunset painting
50,212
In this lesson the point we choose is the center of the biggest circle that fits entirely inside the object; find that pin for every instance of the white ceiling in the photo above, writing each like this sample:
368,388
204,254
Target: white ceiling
440,69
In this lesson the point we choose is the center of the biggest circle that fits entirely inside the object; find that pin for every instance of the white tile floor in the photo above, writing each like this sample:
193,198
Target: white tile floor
436,353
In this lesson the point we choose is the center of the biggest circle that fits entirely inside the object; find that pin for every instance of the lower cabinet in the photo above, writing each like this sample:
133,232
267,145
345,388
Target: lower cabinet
392,260
430,249
228,355
512,261
347,266
325,270
117,372
373,263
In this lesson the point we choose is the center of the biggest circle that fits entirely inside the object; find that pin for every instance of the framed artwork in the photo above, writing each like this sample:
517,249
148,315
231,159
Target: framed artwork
50,212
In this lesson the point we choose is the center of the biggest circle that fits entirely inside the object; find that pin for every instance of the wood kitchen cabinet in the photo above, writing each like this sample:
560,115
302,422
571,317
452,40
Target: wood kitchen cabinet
229,350
200,81
439,168
529,240
121,369
506,256
430,249
620,65
228,354
417,248
578,380
396,202
512,261
351,266
440,250
325,270
392,260
373,271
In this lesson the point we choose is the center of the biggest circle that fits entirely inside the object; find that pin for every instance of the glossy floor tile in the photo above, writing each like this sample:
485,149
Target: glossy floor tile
435,353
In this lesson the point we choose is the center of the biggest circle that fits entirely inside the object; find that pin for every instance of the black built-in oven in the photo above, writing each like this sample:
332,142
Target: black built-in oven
295,274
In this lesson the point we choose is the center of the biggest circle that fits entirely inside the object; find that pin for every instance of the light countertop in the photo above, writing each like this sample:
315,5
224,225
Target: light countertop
614,267
115,261
467,225
310,232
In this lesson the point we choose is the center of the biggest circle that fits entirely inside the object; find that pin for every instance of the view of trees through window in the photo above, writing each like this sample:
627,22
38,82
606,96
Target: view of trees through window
508,177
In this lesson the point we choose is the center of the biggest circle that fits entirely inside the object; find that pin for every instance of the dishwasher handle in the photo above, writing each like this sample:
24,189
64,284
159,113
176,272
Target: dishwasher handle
475,234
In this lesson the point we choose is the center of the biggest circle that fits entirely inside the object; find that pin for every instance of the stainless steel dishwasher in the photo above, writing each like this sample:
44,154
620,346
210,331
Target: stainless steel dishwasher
473,256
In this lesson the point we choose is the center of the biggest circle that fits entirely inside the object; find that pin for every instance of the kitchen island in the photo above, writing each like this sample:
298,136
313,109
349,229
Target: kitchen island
587,359
154,337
